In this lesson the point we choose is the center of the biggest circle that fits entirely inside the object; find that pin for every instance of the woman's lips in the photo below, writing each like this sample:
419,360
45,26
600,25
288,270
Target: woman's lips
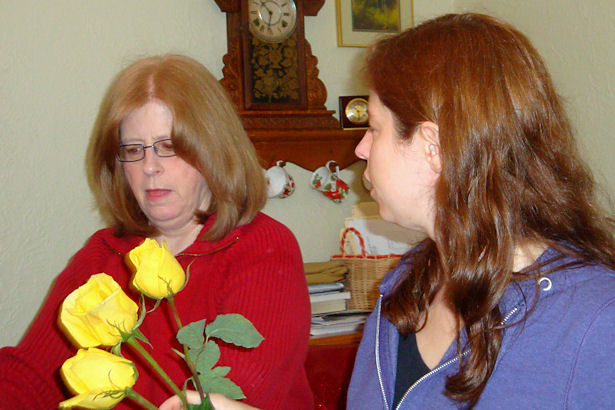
155,194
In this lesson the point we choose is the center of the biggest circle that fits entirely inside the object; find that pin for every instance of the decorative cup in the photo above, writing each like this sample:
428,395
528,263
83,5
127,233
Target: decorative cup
329,182
279,182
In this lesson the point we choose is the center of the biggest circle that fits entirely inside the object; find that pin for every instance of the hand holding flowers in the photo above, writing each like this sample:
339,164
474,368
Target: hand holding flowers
99,313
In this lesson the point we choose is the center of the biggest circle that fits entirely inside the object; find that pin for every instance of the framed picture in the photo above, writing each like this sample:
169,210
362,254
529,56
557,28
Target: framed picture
361,22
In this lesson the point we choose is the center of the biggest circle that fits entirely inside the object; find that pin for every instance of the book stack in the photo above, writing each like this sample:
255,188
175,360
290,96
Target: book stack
328,297
329,313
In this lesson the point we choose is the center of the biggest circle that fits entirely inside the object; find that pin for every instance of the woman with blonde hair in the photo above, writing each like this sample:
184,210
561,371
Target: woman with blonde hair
169,160
510,301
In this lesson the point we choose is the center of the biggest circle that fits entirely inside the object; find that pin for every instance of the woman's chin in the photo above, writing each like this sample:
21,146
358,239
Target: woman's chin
166,221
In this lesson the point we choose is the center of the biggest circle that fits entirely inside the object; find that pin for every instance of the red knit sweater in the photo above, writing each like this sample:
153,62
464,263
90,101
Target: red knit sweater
256,270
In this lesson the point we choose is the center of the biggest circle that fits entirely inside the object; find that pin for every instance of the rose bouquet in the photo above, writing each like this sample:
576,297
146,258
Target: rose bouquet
99,314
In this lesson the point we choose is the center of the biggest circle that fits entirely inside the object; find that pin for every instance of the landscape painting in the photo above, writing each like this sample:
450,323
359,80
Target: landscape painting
361,22
375,15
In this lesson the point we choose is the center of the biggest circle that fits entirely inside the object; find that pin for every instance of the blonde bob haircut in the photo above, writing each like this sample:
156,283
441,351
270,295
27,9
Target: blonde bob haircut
207,133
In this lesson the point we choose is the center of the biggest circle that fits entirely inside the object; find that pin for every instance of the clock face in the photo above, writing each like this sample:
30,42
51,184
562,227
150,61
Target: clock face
272,20
356,111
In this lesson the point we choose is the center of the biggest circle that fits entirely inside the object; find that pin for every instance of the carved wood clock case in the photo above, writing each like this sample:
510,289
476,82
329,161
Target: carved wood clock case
271,76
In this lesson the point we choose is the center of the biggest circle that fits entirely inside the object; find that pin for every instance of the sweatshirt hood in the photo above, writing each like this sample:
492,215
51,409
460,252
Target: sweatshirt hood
518,293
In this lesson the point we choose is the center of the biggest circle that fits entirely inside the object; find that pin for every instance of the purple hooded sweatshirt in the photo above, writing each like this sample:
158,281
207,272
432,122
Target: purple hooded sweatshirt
561,356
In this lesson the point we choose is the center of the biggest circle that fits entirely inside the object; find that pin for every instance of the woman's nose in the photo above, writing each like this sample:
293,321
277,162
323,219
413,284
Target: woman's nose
362,149
151,162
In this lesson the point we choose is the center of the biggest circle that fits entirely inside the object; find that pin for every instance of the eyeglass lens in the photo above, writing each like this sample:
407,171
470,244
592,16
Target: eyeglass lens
136,152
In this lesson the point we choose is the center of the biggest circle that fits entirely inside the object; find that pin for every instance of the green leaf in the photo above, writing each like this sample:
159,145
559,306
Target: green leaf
193,354
208,357
236,329
215,384
191,335
221,371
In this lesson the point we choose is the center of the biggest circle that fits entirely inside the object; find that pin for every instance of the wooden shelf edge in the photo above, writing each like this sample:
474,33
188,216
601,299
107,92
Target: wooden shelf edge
341,339
308,148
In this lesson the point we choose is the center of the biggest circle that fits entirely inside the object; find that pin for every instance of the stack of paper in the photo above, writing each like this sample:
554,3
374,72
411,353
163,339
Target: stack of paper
380,237
348,321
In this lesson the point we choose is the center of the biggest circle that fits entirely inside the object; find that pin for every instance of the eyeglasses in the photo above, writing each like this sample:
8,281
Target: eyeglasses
136,152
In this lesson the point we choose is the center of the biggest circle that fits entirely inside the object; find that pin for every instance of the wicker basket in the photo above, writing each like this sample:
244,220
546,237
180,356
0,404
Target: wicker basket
364,273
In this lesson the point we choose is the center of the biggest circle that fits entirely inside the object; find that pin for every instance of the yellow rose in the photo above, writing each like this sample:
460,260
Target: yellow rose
157,272
98,378
93,314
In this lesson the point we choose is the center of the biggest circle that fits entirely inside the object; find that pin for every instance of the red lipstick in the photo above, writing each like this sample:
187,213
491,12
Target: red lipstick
156,194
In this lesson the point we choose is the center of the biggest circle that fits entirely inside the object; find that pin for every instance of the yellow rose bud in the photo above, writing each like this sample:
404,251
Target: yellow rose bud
93,314
157,272
98,378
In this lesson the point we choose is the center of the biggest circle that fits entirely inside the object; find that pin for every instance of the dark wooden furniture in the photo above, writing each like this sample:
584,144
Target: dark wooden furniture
308,148
329,365
329,368
343,339
305,133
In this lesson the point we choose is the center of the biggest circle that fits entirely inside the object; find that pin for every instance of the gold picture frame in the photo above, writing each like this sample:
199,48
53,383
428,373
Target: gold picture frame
348,35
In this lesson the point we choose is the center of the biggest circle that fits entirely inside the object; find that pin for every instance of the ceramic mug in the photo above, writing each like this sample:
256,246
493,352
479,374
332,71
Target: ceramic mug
279,182
329,182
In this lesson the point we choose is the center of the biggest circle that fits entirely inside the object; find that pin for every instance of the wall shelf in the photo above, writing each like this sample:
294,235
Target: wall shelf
308,148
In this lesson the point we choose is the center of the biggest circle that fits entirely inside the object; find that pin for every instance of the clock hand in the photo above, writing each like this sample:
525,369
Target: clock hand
264,4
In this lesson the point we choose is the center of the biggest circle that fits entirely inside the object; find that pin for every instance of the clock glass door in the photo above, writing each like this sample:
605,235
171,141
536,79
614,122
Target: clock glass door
273,55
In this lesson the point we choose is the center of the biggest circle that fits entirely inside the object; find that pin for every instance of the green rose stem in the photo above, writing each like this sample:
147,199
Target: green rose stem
195,376
140,400
134,343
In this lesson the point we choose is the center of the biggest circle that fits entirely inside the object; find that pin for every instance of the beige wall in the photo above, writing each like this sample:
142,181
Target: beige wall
58,57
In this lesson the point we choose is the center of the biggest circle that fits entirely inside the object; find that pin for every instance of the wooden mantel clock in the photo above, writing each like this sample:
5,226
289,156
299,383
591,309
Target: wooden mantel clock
271,76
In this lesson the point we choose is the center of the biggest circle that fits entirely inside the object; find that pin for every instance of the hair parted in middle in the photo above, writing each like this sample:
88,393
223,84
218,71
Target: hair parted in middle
207,133
511,173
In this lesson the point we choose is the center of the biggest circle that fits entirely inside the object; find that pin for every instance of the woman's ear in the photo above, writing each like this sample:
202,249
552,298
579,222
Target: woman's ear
431,138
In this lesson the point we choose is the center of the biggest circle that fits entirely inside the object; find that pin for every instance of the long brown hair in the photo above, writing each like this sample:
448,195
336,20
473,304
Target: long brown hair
207,133
510,173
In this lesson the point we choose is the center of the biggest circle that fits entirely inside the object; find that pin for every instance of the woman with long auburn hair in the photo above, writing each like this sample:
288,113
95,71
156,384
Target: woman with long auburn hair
510,300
